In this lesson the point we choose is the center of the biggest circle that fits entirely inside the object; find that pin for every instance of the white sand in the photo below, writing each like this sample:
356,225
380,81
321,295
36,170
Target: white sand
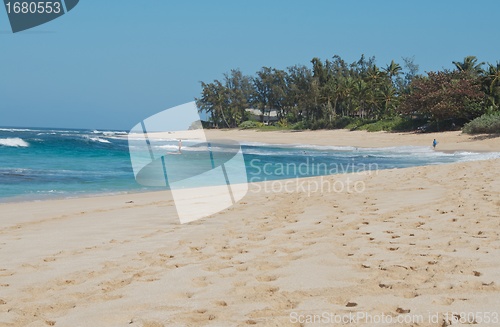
448,141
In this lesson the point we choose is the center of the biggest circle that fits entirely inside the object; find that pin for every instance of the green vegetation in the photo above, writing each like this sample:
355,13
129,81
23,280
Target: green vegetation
358,96
381,125
487,123
250,124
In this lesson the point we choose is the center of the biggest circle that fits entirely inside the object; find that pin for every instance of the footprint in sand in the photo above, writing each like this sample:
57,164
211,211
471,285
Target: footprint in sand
50,259
266,278
267,266
446,301
402,311
256,237
410,295
264,289
216,267
200,281
186,295
5,273
239,284
290,250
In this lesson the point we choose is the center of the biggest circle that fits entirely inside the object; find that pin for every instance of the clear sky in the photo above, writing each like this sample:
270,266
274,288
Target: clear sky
108,64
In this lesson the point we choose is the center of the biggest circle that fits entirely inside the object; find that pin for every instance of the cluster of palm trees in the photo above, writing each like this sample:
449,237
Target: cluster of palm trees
329,90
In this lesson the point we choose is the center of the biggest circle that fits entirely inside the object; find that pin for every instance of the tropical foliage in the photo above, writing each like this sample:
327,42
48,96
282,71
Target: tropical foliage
487,123
336,94
445,95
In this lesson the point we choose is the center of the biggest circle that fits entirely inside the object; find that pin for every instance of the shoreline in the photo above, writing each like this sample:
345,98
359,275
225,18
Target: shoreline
16,200
307,138
448,141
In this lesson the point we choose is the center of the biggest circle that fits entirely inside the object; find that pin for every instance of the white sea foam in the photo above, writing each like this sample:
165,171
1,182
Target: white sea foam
109,133
51,133
396,152
166,147
18,130
324,147
14,142
98,139
472,156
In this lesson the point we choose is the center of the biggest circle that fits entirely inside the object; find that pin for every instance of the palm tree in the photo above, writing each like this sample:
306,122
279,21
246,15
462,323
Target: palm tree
494,75
387,96
492,83
345,92
469,65
374,74
214,102
363,96
393,69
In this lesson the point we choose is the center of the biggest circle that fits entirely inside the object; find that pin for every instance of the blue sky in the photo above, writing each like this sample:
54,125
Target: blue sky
109,64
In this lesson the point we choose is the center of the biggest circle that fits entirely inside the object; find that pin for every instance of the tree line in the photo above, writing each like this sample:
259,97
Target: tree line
333,91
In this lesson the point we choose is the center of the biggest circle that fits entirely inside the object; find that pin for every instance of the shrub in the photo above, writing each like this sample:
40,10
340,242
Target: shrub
381,125
487,124
283,123
358,123
299,125
250,124
407,124
388,124
343,122
319,124
394,124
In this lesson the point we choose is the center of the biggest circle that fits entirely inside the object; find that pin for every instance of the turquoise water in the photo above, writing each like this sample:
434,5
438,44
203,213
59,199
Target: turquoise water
38,163
47,163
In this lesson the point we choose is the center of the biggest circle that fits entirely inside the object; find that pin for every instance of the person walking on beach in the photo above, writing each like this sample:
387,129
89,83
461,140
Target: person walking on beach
434,143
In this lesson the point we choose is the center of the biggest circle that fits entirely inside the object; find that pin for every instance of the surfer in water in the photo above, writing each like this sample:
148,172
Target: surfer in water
179,148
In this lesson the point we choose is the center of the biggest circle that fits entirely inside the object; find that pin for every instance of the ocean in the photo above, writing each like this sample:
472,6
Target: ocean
43,163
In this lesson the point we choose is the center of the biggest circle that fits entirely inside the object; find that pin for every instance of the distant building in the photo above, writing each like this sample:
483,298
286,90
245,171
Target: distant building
270,116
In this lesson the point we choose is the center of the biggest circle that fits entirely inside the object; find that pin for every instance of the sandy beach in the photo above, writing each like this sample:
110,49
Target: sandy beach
416,247
448,141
